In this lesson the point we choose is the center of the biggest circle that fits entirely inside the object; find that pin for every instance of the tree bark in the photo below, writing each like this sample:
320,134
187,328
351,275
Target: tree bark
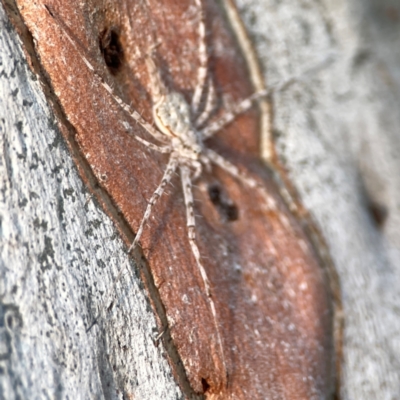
59,253
336,131
338,136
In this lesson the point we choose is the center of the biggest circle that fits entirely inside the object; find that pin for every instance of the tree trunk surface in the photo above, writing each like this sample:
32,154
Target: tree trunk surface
336,132
338,136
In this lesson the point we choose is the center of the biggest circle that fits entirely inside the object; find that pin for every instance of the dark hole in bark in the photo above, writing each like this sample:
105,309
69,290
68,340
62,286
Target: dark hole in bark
10,322
110,307
378,213
111,49
205,385
225,207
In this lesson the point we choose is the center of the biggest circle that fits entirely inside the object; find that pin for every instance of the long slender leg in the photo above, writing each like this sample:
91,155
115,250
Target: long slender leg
171,167
191,225
132,113
229,116
81,52
152,146
203,59
209,106
246,104
158,89
240,176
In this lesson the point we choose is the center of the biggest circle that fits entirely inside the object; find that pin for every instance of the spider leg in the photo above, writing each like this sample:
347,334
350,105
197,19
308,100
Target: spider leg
229,116
132,113
152,146
171,167
157,87
203,58
81,52
246,104
247,180
209,106
191,225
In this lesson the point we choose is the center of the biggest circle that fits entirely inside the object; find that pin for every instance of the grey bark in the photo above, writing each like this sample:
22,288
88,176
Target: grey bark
59,253
337,132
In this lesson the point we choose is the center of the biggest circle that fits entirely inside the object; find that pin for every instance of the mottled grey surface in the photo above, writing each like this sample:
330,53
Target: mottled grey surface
338,133
58,255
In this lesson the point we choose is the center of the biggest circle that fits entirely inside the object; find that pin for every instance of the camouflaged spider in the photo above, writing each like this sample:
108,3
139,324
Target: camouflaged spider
181,130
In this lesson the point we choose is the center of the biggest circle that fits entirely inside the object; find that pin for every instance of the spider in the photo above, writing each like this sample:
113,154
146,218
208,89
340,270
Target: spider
181,131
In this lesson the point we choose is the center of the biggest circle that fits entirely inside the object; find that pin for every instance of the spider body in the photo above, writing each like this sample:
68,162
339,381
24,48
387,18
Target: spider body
172,117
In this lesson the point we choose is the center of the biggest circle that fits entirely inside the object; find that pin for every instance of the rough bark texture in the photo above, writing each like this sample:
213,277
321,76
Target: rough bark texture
59,252
338,136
